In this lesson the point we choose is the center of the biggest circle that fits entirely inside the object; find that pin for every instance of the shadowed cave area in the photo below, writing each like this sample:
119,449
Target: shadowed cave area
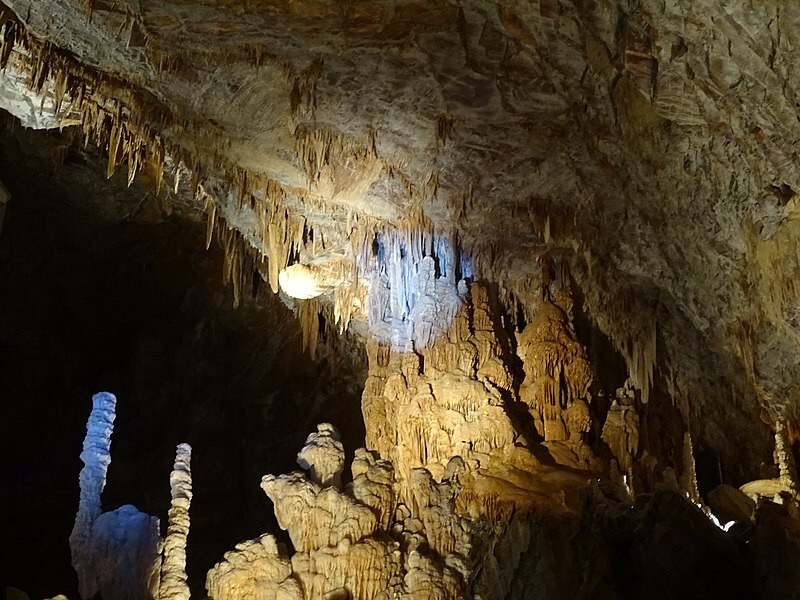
102,291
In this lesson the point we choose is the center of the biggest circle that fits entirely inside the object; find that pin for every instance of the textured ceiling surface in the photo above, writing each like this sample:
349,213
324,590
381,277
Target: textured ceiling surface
650,145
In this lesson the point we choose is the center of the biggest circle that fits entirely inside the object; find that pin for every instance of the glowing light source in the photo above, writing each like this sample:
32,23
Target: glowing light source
299,281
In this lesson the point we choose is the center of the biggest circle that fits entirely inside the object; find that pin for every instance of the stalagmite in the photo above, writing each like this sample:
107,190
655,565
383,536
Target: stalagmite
787,469
126,548
257,569
323,456
174,584
373,485
476,194
314,516
358,543
117,553
688,478
96,457
621,430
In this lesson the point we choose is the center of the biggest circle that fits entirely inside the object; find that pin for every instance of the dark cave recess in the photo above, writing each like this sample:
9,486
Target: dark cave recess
103,290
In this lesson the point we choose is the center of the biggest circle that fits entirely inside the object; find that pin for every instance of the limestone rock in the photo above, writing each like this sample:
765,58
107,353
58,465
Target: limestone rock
314,516
366,570
323,456
621,430
557,373
255,569
731,504
126,548
373,485
96,456
173,585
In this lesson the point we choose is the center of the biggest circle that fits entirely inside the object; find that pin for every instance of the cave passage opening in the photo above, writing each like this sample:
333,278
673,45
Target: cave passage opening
102,290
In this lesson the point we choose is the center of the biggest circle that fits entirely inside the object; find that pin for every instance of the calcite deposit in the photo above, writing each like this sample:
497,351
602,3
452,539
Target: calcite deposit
563,234
119,554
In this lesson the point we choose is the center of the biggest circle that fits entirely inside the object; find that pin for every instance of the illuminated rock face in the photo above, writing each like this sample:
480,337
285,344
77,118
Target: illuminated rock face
445,461
557,375
323,456
307,143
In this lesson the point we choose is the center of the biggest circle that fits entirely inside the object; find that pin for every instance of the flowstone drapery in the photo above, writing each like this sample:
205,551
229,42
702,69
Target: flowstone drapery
557,375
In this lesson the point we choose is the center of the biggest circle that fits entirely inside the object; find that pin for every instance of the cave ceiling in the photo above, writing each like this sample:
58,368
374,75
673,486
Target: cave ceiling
649,147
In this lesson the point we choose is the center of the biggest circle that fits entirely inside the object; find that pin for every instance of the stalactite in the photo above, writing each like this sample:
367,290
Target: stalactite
174,584
307,313
640,356
211,219
303,97
322,456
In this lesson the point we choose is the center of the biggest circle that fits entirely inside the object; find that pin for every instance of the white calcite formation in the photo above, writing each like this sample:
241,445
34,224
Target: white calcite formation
96,457
35,109
126,547
174,585
118,554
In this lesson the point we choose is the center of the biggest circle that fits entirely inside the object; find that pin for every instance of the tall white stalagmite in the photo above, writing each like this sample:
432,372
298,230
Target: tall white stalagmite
173,570
96,457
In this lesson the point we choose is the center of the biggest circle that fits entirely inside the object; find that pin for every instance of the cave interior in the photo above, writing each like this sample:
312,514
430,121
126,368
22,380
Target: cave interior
399,299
